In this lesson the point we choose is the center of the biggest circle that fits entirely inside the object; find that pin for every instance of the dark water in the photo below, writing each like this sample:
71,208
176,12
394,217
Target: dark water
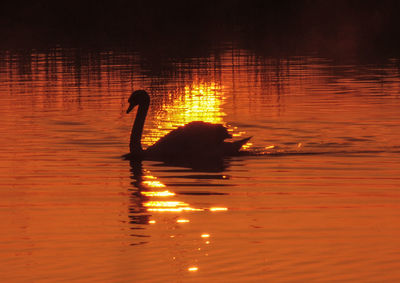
317,200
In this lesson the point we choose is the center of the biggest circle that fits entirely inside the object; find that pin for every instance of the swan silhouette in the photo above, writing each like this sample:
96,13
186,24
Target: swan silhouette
194,140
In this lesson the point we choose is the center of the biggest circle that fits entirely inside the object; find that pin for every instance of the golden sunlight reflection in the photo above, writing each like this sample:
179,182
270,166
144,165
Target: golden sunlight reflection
164,201
154,184
175,209
158,202
150,178
165,204
247,145
238,134
201,101
158,194
218,209
193,268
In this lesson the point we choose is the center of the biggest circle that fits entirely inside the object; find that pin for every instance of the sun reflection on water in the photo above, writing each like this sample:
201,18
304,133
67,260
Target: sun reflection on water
218,209
157,202
201,101
154,184
165,202
158,194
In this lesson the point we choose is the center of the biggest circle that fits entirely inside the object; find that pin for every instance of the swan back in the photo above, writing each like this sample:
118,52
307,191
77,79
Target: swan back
195,138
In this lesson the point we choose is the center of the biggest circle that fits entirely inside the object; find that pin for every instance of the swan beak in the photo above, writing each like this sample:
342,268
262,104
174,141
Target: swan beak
130,108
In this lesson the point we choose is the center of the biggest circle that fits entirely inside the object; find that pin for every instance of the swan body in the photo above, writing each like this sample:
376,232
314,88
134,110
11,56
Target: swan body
194,140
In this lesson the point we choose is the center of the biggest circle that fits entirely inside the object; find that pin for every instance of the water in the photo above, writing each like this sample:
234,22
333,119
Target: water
317,200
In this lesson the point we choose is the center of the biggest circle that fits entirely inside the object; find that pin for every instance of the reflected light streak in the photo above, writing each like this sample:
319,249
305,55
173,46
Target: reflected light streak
247,145
218,209
158,194
164,206
152,222
179,209
238,134
169,206
154,184
205,235
150,177
193,269
183,220
165,203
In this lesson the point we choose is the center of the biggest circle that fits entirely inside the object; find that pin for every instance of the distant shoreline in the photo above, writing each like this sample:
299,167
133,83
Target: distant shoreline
336,28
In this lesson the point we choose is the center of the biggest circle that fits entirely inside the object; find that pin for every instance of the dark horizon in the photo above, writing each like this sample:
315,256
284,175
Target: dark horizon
335,28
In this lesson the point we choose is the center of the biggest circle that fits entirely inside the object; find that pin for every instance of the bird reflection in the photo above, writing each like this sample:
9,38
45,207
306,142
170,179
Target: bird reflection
137,212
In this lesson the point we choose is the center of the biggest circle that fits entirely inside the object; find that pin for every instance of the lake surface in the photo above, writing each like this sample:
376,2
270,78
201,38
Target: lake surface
318,198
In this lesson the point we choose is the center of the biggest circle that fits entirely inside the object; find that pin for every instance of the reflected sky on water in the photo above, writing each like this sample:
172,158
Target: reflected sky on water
318,198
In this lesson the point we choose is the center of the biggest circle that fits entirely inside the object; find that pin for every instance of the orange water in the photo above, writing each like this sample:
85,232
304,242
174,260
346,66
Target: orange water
321,203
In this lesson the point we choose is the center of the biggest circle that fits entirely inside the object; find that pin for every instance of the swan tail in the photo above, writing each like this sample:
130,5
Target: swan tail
234,147
241,143
127,156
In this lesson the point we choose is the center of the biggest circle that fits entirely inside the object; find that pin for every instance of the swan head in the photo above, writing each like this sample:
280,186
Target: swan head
138,97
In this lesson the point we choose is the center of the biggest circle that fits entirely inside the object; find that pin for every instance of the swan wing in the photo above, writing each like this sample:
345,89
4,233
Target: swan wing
195,137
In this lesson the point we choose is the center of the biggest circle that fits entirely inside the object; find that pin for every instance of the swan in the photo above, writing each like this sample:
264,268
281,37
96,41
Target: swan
196,139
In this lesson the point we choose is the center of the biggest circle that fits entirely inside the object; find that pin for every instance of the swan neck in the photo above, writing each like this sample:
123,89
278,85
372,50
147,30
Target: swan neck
135,144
